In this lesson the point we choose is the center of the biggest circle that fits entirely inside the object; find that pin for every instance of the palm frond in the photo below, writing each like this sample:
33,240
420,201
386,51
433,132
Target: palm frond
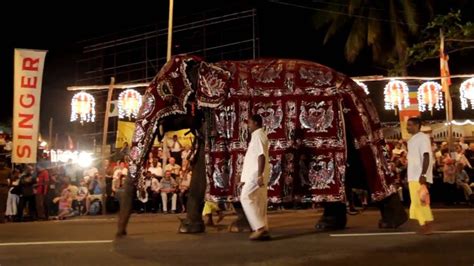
409,12
354,5
374,28
356,39
336,25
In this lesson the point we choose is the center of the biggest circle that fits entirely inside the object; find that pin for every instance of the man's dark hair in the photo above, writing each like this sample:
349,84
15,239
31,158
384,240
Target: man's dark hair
257,119
416,121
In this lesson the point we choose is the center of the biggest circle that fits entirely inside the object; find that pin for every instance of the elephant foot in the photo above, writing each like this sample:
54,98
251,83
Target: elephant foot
239,226
334,217
121,234
393,213
190,227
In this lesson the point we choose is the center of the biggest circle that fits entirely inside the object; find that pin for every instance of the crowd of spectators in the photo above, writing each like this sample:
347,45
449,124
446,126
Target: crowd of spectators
453,172
45,191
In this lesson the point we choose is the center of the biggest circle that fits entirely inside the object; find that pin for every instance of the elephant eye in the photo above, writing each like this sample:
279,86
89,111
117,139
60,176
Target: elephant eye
165,89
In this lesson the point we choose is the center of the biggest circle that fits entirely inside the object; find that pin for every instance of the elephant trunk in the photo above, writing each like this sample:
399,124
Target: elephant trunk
197,189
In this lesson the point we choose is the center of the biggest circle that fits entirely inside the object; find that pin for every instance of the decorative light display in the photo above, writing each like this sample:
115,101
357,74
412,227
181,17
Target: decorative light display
396,95
83,107
363,86
430,95
129,103
462,123
467,93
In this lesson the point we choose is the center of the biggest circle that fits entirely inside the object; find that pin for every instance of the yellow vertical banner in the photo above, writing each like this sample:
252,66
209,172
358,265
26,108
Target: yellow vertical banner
124,133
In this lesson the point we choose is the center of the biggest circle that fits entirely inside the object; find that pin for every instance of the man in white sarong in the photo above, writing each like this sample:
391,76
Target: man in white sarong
254,180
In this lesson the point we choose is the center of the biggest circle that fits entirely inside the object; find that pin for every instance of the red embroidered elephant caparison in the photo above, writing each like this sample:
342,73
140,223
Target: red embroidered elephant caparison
307,109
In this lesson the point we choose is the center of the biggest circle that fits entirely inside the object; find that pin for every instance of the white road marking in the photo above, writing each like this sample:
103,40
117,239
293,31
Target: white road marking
374,234
55,243
401,233
455,232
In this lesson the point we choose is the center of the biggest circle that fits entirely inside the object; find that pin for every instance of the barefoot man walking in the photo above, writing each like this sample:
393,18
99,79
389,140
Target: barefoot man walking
420,172
254,179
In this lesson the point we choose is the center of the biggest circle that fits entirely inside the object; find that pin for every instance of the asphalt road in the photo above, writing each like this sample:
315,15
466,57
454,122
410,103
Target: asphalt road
153,240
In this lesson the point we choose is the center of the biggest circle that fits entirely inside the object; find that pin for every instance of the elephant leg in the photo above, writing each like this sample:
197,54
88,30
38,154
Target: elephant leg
126,201
241,223
194,222
392,211
334,217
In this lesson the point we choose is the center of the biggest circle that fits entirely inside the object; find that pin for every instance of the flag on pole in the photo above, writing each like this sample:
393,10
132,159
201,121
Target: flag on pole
444,68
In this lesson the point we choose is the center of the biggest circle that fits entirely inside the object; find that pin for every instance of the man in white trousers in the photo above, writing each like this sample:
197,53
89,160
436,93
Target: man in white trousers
254,179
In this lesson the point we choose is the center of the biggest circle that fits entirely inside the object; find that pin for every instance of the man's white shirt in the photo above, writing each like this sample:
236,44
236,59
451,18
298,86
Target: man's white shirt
258,146
418,145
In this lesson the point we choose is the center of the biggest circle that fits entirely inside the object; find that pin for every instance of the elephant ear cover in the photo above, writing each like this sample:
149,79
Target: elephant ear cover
212,85
166,95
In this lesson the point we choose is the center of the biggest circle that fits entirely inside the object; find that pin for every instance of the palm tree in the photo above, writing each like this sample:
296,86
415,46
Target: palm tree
385,26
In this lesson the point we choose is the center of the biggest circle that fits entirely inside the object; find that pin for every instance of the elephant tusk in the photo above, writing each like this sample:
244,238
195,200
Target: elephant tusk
160,128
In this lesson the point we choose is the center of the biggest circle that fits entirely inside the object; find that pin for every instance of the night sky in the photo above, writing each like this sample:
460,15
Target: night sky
286,32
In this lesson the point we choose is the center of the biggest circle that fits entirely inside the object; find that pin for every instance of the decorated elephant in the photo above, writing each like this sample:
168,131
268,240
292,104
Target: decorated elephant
309,111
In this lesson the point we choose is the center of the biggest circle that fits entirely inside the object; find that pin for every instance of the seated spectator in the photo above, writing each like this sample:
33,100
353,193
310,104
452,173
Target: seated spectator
81,197
155,194
150,159
74,190
449,180
397,150
173,167
120,170
168,188
155,169
462,182
64,204
96,192
460,158
443,149
440,161
403,159
143,197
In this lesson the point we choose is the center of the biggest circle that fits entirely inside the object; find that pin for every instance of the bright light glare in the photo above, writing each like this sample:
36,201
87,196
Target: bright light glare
85,159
